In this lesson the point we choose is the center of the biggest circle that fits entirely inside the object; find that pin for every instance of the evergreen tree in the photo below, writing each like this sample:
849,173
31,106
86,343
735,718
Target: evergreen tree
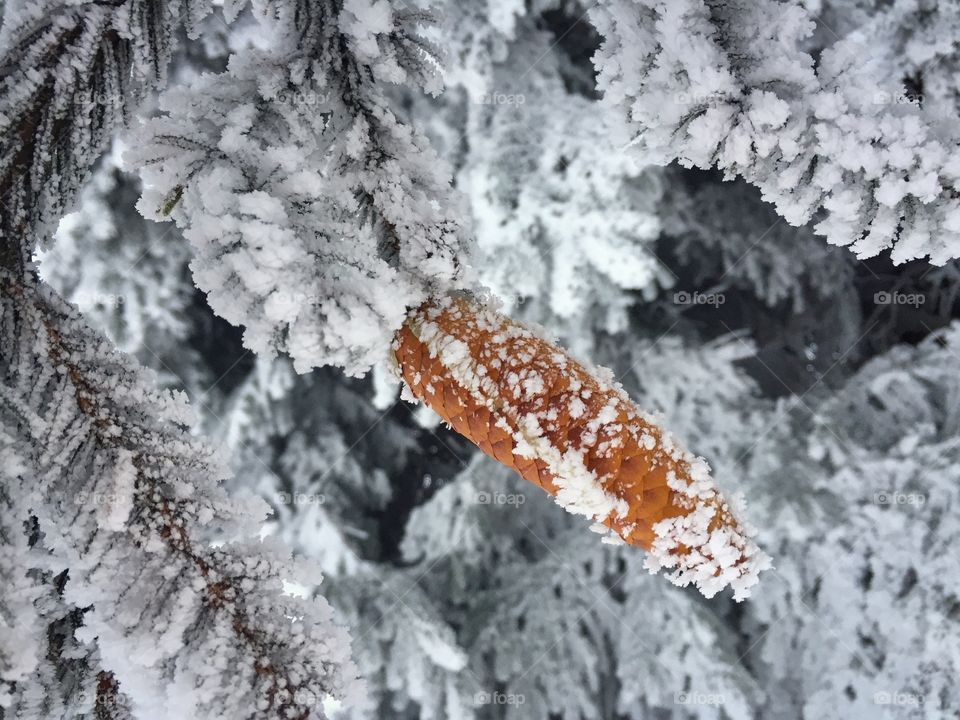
250,200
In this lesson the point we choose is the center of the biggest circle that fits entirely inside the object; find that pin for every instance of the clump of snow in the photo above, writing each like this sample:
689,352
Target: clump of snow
707,554
118,503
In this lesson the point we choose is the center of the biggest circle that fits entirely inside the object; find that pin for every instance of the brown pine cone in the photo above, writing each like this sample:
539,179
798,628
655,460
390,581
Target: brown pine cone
575,433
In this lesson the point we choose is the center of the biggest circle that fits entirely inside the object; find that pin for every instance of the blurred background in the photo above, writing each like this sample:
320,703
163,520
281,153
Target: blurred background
824,389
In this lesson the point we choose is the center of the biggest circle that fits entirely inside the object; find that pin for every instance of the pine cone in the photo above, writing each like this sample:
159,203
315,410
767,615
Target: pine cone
574,432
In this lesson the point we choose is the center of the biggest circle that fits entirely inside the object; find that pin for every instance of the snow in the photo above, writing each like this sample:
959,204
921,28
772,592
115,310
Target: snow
273,218
121,492
127,502
815,113
294,174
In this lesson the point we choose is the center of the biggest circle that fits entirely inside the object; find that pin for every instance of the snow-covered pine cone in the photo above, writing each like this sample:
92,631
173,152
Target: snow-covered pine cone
574,432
